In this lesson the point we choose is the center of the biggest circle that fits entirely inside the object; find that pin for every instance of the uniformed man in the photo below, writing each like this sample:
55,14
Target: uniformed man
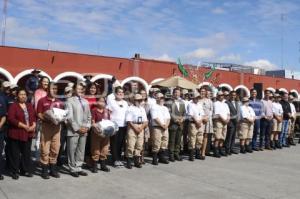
137,121
221,118
196,128
50,133
246,126
277,122
160,136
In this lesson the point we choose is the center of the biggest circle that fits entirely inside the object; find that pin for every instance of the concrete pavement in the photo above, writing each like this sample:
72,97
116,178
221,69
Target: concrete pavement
267,174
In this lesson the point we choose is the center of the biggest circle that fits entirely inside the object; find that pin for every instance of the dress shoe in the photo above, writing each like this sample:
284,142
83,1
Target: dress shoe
234,152
202,157
1,177
74,174
27,174
15,176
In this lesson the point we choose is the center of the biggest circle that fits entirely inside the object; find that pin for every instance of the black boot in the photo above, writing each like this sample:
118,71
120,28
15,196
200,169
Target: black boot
291,141
129,165
171,157
154,160
228,151
197,155
243,150
162,157
94,168
1,177
249,149
191,156
103,166
277,144
216,152
137,162
53,171
272,144
45,172
222,152
287,141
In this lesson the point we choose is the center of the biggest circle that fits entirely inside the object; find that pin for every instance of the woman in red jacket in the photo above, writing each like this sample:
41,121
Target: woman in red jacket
22,119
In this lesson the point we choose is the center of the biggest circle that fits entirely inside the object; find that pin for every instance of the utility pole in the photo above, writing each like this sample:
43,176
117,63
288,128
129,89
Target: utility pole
4,12
282,40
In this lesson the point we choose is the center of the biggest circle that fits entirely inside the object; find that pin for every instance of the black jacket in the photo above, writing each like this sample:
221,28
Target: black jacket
286,109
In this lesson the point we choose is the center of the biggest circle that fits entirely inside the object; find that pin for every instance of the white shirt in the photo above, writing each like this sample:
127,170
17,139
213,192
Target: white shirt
277,109
222,109
186,103
159,112
118,111
151,101
293,109
195,111
177,104
247,112
110,98
136,114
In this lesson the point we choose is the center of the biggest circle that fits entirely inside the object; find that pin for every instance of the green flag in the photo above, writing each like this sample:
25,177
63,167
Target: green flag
182,69
208,74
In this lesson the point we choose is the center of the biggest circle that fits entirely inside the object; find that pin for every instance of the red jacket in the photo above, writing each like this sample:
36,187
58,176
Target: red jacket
16,115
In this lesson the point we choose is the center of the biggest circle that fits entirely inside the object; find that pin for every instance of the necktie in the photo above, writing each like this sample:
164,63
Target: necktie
79,98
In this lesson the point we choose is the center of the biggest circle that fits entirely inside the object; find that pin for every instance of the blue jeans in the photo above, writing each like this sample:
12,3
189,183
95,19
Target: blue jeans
265,132
284,132
256,132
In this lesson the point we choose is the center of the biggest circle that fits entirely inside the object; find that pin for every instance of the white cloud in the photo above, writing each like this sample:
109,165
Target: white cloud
165,57
201,53
235,58
17,34
262,63
218,10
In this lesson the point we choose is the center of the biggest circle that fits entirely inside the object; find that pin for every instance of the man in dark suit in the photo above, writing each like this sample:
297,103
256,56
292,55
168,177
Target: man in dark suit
177,112
232,125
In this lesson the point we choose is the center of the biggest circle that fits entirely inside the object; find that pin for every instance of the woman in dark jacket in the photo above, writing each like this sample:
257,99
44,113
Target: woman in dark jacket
22,119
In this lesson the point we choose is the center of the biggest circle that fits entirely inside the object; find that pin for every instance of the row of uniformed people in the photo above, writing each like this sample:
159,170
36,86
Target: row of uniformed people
165,120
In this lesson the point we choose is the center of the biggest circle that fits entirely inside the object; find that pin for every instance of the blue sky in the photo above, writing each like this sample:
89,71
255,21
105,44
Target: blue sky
235,31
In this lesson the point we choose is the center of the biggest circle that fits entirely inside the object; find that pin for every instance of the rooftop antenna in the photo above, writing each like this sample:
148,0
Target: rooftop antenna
4,12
